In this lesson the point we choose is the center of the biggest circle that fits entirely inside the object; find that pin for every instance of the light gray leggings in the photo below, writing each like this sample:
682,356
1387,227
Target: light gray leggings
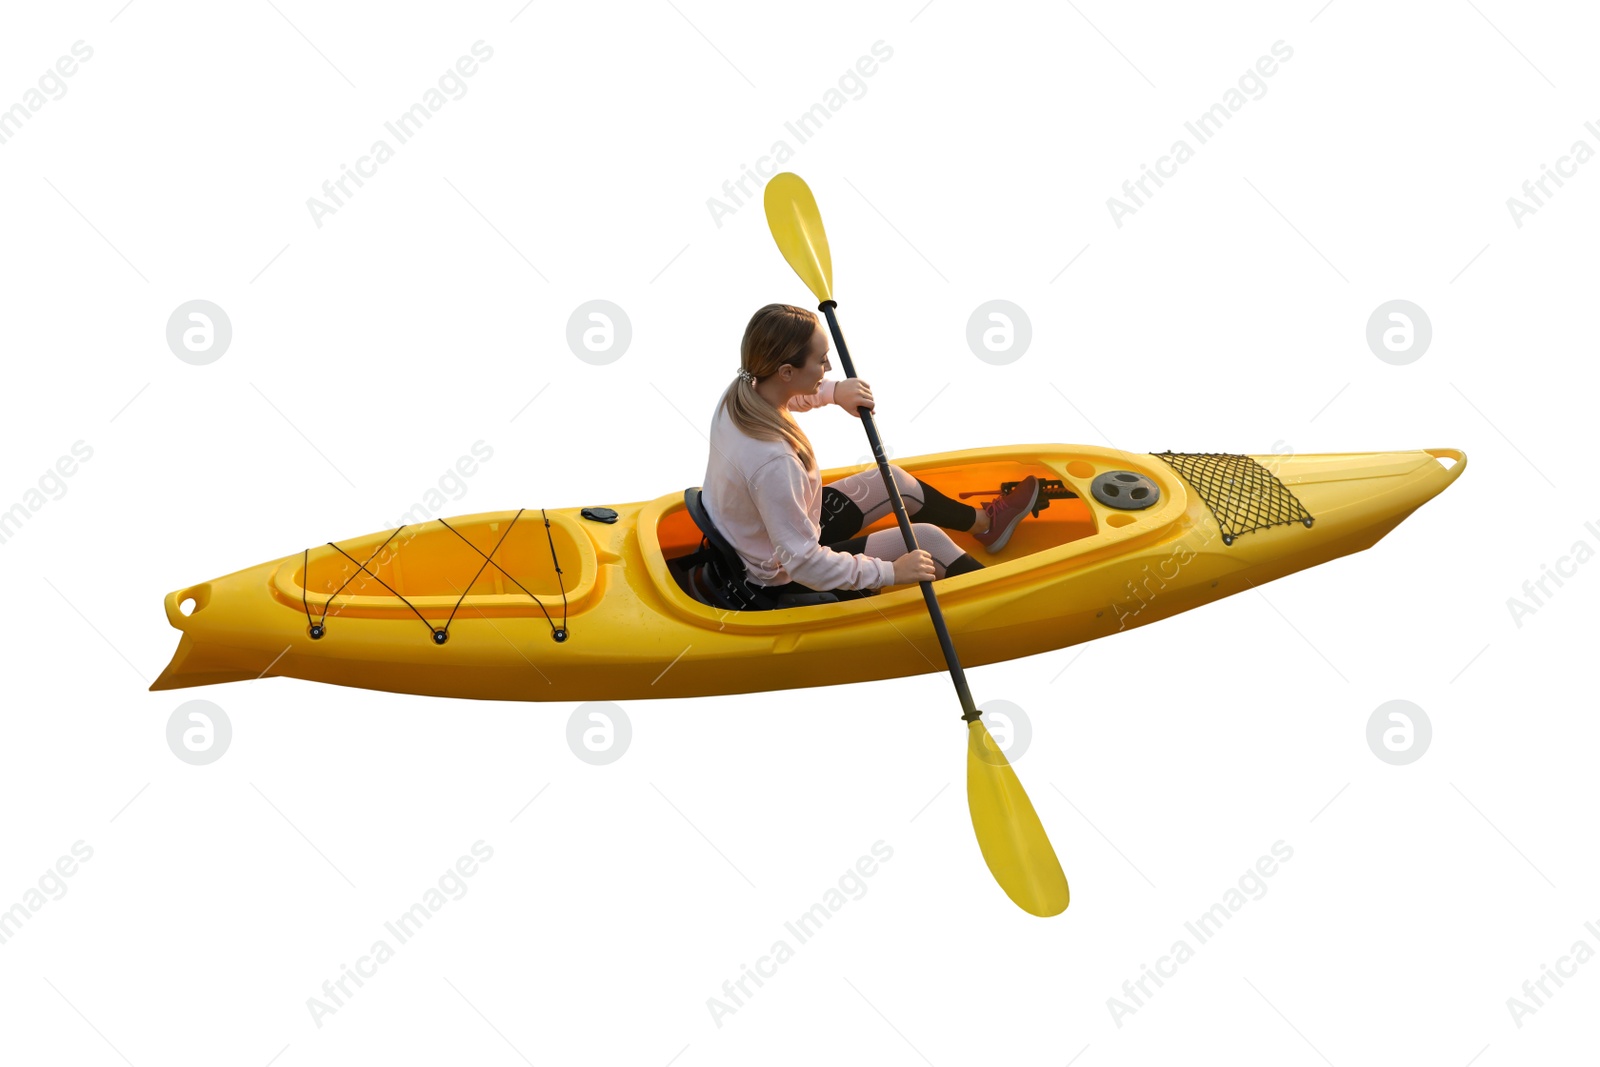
858,500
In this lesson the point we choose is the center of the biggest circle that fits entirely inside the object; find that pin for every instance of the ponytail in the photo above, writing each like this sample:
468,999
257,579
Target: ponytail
776,335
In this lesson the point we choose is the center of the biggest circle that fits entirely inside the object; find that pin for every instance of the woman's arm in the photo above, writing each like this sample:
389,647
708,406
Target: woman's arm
823,395
849,393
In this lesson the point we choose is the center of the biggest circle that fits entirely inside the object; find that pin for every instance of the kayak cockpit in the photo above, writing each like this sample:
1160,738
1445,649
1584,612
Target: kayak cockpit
1061,517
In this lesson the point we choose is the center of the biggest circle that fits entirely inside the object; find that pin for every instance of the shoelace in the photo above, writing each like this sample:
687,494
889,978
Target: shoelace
993,508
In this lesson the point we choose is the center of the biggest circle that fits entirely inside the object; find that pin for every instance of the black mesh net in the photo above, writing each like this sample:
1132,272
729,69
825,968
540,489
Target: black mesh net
1242,494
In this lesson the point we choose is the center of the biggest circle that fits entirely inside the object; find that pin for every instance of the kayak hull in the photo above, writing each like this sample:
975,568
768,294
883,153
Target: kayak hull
1079,571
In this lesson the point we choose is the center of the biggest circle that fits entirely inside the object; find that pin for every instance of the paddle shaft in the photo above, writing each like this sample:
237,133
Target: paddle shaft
957,675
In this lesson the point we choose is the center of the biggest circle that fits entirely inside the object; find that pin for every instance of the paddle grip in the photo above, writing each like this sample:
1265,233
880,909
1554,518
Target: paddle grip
969,710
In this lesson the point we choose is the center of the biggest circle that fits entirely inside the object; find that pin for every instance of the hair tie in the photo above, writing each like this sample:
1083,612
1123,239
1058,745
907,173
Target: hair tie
746,376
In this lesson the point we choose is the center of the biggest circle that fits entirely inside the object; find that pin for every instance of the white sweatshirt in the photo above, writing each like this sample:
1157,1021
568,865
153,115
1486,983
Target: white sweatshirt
770,509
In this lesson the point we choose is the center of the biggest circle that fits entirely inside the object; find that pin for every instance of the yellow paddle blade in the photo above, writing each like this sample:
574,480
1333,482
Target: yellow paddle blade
796,225
1010,835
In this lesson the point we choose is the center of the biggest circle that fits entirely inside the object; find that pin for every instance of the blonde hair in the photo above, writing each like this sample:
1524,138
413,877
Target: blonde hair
776,335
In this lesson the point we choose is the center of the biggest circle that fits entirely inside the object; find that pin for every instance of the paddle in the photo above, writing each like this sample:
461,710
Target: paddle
1010,835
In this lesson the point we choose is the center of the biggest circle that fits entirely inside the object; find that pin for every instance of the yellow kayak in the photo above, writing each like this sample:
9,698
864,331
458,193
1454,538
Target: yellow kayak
587,604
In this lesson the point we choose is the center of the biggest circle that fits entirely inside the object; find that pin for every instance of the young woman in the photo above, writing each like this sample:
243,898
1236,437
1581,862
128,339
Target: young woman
763,491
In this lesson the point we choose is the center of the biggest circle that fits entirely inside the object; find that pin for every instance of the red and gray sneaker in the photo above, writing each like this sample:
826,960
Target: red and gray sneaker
1006,511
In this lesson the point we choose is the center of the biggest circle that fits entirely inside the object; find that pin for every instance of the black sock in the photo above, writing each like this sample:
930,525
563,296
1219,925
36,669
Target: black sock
942,511
962,565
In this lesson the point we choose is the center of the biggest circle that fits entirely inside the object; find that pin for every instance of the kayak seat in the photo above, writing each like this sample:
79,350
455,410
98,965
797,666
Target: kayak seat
715,575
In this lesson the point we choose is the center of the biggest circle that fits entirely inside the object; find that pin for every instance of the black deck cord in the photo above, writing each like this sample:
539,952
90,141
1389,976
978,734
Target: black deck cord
559,580
440,635
553,629
486,561
306,577
387,586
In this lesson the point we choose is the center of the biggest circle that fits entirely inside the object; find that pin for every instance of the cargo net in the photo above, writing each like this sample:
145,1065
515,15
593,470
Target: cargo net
1242,494
318,628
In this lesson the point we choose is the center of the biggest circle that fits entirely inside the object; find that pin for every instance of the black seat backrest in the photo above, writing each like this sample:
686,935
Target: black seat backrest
732,565
727,587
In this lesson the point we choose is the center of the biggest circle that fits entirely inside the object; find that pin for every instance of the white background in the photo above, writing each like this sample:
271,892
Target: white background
368,354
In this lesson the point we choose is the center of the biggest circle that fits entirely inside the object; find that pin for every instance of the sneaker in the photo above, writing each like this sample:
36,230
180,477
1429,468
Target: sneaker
1006,511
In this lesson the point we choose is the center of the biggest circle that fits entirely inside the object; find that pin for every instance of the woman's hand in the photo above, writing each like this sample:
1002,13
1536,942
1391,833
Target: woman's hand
915,566
851,394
